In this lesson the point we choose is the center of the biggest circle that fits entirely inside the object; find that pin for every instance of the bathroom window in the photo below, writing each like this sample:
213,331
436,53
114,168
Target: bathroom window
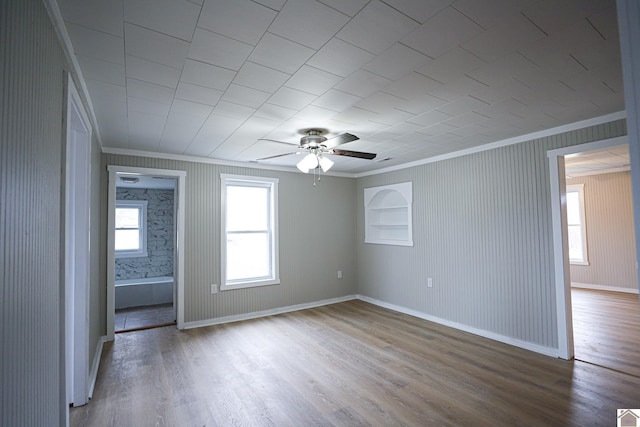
250,231
131,228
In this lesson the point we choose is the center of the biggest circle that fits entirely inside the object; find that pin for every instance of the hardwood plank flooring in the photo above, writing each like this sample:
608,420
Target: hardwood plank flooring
347,364
134,318
606,329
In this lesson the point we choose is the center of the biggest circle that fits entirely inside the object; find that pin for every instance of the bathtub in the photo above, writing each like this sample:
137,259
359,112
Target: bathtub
143,291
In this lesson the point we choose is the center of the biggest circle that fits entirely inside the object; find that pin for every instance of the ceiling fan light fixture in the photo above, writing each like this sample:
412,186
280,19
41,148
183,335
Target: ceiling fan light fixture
325,163
310,161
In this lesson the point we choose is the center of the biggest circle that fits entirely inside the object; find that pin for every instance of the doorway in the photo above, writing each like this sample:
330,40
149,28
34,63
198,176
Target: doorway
76,252
144,244
145,249
561,161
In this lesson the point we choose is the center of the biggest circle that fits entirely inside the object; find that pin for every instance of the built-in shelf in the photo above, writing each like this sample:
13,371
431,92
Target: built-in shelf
387,214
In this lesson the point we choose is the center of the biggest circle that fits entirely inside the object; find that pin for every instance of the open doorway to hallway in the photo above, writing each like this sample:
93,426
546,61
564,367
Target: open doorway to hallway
602,258
144,252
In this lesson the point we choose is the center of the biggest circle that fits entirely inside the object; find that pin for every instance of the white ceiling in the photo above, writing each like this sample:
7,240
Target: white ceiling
412,78
614,159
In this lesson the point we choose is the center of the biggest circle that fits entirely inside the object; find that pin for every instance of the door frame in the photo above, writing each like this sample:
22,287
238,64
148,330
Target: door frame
178,273
77,247
560,239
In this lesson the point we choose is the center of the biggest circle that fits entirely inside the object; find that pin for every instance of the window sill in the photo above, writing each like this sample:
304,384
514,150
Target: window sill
244,285
131,255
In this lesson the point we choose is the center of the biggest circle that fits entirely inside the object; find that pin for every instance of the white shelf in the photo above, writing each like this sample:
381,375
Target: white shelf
388,214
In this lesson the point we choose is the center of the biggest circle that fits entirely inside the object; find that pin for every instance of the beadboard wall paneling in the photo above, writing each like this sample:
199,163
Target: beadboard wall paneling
610,232
317,238
482,231
31,150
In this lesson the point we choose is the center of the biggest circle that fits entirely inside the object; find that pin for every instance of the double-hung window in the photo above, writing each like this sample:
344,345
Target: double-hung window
250,231
576,225
131,228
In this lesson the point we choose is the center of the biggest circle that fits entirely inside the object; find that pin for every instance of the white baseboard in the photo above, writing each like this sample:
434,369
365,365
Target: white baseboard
93,374
265,313
604,288
548,351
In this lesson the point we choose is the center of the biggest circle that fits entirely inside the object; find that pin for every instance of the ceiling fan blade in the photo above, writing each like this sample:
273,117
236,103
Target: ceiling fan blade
279,142
340,139
279,155
358,154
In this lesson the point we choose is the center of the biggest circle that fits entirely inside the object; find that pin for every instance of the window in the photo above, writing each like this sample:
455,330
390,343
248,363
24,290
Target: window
576,225
250,231
131,228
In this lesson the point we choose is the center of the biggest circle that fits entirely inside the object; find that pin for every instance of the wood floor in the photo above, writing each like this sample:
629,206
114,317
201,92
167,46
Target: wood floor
606,329
347,364
134,318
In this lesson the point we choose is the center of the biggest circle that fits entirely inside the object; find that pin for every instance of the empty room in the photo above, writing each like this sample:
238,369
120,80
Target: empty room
319,212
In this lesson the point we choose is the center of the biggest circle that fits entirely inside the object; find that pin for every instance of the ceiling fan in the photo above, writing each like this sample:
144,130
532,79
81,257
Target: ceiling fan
316,145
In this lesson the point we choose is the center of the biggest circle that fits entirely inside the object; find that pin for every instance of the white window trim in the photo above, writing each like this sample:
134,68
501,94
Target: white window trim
579,188
142,252
227,179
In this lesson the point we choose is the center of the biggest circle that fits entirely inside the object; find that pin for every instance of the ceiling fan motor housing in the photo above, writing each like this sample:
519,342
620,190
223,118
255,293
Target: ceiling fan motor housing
312,139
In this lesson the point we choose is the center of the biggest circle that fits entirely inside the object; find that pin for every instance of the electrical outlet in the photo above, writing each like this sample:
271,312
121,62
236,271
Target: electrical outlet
429,282
214,288
339,274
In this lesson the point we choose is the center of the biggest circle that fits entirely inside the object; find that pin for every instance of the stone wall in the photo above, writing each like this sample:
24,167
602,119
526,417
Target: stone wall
160,229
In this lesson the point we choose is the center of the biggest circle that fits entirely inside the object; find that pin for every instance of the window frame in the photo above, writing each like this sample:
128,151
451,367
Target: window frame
141,205
227,180
578,188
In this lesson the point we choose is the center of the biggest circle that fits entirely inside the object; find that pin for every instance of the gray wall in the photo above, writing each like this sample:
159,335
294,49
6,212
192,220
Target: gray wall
31,112
159,261
482,231
610,233
317,238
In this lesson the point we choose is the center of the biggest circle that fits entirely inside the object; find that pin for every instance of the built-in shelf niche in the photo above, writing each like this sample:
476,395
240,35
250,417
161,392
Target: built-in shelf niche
387,214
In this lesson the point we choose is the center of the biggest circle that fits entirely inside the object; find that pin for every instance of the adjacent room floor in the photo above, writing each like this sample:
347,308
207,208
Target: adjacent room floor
150,316
346,364
606,329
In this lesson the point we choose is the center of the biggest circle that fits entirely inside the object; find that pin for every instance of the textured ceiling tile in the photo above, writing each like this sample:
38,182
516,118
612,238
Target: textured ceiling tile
340,58
308,22
152,72
176,18
96,69
504,39
377,27
362,83
315,114
420,10
280,54
396,62
203,74
96,44
451,66
149,91
145,106
380,102
99,15
233,111
259,77
218,50
199,94
488,13
154,46
312,80
442,33
245,96
291,98
272,4
212,133
241,20
275,112
348,7
430,118
336,100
